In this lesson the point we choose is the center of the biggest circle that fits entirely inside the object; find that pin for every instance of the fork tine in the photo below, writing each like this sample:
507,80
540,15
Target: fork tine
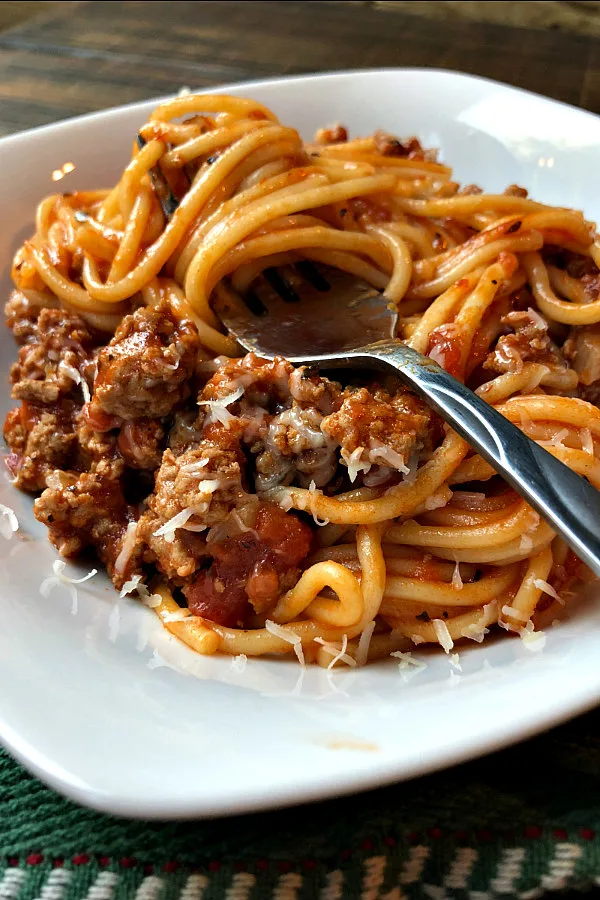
165,195
254,303
315,278
281,285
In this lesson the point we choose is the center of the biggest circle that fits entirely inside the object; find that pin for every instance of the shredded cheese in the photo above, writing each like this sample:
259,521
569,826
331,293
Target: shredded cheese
354,463
59,579
234,514
312,489
71,372
130,586
218,408
127,548
475,632
238,663
457,582
339,653
526,420
137,586
556,440
537,319
587,442
525,544
9,523
179,520
362,651
455,662
286,502
195,468
286,634
532,640
437,500
417,639
389,456
443,635
407,660
514,613
342,655
179,615
542,585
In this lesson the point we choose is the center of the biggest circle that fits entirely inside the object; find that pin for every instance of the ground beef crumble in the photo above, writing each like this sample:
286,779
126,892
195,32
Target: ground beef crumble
87,510
44,372
528,341
145,368
155,443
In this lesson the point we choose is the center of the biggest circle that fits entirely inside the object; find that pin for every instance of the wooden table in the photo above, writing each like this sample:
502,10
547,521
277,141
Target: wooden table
83,56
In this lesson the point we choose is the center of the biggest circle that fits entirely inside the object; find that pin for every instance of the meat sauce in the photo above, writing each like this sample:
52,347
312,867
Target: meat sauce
250,568
444,348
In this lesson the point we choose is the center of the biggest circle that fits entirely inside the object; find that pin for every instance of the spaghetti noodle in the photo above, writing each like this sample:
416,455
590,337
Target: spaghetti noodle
262,509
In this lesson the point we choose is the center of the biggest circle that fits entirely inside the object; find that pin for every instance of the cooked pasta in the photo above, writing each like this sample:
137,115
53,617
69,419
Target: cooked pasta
259,508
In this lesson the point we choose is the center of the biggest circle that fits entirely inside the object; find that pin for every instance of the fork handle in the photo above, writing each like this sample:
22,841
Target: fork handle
564,499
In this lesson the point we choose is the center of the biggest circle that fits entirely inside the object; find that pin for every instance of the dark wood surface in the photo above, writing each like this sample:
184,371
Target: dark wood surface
83,56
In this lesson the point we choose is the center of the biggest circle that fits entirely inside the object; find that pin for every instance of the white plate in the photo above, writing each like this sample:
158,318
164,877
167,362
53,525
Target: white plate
108,708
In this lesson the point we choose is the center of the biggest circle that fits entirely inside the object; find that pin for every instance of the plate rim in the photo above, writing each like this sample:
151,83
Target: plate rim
284,79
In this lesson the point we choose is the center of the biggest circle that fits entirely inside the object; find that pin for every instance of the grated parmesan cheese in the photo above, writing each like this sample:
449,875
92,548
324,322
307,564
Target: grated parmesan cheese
437,355
9,523
474,632
286,502
410,476
389,456
217,409
537,319
455,662
437,500
179,520
417,639
339,653
60,579
526,420
362,651
286,634
137,586
234,514
525,544
71,372
407,660
514,613
130,585
457,582
587,441
312,489
536,377
238,663
179,615
542,585
556,440
148,599
342,656
354,462
194,468
127,548
532,640
443,635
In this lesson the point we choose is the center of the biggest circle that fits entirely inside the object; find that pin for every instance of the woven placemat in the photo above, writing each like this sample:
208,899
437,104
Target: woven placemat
520,823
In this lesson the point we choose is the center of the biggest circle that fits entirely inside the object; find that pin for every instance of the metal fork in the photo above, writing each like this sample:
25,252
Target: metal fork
330,322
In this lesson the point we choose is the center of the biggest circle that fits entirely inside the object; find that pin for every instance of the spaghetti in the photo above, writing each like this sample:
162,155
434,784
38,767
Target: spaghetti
259,508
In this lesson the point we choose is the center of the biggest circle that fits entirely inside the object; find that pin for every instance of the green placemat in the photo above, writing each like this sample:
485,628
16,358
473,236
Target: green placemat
520,823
